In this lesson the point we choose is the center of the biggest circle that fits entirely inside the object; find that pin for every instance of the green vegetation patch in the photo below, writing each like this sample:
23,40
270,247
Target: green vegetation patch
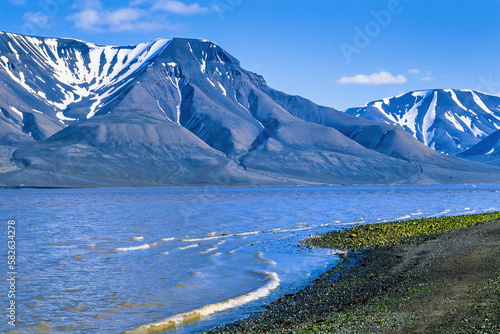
376,235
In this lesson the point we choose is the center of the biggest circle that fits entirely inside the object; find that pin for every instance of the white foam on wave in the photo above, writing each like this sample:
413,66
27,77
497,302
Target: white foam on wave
167,239
260,255
126,249
202,312
439,214
208,250
221,236
138,238
188,246
297,229
308,227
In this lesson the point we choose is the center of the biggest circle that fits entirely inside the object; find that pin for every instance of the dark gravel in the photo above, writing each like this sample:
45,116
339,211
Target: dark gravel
442,283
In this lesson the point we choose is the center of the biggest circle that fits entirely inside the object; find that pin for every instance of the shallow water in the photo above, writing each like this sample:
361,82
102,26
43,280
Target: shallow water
116,260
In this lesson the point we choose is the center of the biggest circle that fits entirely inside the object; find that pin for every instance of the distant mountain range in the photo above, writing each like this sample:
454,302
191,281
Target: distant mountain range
183,112
449,121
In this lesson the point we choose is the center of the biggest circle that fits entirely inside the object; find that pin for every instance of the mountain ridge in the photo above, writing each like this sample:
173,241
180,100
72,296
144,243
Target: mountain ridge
183,112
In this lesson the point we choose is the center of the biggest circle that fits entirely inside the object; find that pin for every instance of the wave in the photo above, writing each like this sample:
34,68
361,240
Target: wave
188,246
222,236
198,314
208,250
234,250
126,249
402,217
167,239
211,249
440,214
260,255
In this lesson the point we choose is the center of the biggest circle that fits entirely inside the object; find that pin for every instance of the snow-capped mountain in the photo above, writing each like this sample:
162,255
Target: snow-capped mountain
184,112
72,78
449,121
486,151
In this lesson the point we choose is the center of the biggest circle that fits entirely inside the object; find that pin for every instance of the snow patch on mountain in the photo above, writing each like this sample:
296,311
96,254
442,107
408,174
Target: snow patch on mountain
84,70
455,98
429,119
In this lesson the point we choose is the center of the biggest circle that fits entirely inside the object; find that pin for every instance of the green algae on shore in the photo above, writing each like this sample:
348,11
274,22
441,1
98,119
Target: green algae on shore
383,234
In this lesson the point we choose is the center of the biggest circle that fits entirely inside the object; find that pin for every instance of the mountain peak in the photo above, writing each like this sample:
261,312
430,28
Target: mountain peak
86,75
203,49
447,120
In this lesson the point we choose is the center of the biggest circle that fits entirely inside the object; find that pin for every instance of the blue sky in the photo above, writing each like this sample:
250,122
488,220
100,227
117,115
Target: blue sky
338,53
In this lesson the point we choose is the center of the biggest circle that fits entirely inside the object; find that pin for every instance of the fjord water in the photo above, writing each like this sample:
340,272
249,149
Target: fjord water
116,260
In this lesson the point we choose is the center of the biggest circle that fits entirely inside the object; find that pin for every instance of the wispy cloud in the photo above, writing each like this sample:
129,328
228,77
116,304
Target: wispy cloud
428,77
381,78
418,73
38,19
138,15
18,2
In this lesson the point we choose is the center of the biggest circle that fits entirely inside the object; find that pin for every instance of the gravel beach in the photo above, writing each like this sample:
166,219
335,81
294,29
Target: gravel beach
441,283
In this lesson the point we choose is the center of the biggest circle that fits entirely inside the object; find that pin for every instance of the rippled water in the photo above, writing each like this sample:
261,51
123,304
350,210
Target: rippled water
116,260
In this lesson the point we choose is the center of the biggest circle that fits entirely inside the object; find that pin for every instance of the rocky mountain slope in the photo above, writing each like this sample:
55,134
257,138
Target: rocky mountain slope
184,112
486,151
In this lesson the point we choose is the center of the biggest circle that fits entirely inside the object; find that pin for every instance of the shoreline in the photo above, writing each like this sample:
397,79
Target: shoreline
442,282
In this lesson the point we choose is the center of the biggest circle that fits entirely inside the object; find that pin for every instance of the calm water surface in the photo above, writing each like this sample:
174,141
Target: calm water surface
118,260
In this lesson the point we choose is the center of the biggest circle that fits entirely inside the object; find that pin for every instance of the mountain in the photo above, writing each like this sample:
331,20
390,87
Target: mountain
184,112
486,151
449,121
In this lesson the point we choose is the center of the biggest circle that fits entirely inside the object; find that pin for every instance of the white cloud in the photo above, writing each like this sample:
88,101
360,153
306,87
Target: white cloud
381,78
38,19
120,20
124,15
18,2
414,71
138,15
88,19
